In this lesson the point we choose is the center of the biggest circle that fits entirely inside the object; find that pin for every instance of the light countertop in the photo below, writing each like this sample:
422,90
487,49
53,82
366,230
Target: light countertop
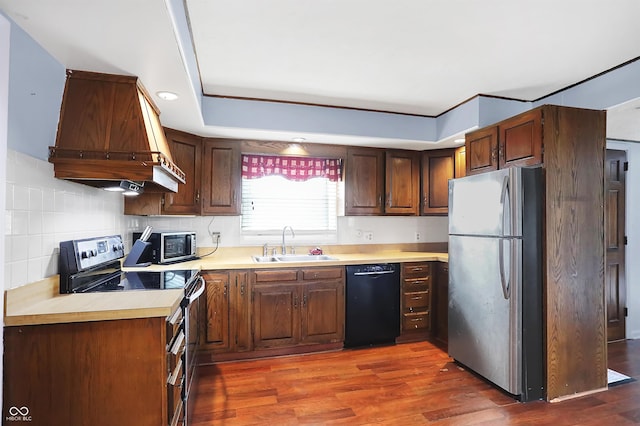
41,303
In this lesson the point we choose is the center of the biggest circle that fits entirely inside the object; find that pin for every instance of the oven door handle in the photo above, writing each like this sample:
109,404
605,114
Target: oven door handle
198,292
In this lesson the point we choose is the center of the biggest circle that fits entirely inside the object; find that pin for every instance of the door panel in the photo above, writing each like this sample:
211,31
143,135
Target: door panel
483,324
475,206
615,285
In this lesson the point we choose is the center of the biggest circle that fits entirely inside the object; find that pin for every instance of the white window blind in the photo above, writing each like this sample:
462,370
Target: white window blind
272,202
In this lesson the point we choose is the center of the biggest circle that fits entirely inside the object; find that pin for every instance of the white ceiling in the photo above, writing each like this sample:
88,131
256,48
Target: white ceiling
412,56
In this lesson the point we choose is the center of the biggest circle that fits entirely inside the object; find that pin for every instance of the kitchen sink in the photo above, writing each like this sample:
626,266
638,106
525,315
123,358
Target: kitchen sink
292,258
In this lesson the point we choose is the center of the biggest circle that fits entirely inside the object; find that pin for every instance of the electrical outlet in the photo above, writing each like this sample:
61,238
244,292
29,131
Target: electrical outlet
368,235
417,236
215,237
359,233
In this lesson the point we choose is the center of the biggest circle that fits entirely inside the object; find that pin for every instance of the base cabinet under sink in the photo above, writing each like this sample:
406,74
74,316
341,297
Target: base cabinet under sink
275,311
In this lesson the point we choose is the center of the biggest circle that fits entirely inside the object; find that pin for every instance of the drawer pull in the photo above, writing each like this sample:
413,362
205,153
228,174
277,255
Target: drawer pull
416,298
178,343
176,373
416,319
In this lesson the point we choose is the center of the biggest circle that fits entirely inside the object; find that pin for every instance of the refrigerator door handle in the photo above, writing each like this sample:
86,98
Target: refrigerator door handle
504,203
506,287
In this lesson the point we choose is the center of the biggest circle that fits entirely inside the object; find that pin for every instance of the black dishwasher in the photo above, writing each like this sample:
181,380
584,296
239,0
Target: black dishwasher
372,304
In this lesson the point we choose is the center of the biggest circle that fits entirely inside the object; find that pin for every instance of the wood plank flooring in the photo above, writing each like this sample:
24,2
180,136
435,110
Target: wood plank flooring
411,383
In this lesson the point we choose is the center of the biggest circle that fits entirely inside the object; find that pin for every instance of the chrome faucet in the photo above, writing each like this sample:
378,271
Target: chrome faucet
293,235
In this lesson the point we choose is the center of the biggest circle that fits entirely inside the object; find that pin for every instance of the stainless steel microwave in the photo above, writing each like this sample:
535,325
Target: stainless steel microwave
169,247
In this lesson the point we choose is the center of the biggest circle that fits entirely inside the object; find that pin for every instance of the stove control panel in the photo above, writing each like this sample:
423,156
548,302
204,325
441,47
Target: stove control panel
91,252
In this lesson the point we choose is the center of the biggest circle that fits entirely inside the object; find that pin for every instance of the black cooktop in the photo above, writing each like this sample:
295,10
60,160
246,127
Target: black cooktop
124,281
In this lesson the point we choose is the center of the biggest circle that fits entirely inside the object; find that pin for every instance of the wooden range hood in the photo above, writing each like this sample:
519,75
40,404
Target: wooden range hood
109,131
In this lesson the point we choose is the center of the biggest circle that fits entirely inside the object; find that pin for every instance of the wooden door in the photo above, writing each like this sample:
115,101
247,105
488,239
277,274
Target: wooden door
402,182
481,150
323,312
221,178
217,330
276,315
186,150
364,181
438,166
520,140
615,286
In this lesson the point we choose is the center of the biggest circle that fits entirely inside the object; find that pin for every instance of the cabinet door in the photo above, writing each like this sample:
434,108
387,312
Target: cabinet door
323,312
438,166
221,180
402,182
240,311
481,150
276,315
217,331
364,180
460,168
441,317
186,150
520,140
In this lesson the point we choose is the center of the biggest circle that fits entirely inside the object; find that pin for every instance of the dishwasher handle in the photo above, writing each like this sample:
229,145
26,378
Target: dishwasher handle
373,273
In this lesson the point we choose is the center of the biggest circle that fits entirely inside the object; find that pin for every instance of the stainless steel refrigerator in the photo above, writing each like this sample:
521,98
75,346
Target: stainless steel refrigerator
495,278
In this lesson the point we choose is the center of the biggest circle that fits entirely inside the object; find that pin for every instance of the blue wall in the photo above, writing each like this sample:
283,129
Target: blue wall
36,83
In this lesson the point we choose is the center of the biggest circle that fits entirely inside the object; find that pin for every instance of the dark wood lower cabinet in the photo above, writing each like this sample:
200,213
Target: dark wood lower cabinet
441,303
305,307
90,373
226,321
256,313
415,301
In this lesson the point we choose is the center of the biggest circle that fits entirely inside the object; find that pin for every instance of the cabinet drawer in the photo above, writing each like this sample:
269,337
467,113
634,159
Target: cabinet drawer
276,275
416,321
416,284
416,301
416,269
322,273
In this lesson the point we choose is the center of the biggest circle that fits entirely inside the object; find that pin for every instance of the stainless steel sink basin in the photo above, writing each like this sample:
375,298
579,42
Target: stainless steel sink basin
292,258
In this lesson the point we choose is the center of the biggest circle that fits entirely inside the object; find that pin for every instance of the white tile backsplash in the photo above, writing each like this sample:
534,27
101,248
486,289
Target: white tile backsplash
41,211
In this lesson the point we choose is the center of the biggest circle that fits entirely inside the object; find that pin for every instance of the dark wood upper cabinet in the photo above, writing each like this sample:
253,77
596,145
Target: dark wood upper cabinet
516,141
186,150
221,177
438,166
520,140
482,150
364,181
402,182
381,182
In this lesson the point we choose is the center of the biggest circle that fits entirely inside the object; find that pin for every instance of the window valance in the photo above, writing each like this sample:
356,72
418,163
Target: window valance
292,168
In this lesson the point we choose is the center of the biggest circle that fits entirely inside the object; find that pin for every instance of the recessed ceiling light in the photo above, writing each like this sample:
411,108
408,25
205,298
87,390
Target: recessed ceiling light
167,96
299,139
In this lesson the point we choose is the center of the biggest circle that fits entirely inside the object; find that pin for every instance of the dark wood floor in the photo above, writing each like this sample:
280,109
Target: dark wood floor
411,383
